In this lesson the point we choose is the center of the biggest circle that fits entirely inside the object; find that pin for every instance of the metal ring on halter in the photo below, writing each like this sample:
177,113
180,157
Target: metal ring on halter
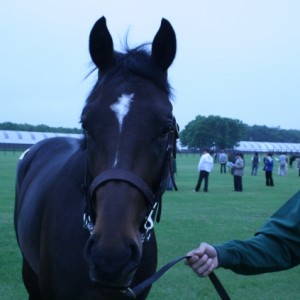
149,224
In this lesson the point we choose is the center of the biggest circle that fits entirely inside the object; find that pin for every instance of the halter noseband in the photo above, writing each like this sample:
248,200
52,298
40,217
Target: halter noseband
122,175
153,201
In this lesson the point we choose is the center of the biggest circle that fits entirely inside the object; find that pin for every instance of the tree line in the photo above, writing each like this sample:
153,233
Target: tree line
225,133
38,128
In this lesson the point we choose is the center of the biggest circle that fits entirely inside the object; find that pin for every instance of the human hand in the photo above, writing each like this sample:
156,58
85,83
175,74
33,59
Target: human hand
203,260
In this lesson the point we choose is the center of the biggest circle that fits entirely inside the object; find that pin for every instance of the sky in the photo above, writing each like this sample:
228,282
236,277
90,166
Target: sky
238,59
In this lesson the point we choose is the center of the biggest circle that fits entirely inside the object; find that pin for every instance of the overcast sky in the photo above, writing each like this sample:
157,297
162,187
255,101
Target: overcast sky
236,59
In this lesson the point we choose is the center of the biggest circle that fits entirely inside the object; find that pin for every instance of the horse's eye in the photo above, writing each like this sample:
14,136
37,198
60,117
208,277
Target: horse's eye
166,129
85,128
83,124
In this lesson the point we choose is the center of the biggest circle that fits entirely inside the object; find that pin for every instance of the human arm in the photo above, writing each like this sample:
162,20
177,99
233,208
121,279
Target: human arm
257,255
239,164
275,247
200,163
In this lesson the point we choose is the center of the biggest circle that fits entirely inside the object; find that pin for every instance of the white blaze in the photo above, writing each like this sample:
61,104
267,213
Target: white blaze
122,107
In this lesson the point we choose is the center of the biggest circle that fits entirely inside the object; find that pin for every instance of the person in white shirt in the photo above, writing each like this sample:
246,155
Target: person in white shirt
205,166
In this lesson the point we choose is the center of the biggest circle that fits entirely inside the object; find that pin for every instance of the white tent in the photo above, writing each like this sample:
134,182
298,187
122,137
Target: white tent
10,139
246,146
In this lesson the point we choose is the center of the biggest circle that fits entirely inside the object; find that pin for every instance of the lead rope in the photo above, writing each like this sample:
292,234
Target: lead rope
134,292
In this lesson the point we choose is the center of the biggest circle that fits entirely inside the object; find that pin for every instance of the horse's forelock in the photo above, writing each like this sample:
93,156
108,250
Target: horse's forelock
133,62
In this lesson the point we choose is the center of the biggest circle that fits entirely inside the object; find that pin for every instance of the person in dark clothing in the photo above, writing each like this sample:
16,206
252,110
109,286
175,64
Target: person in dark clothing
269,164
274,247
255,164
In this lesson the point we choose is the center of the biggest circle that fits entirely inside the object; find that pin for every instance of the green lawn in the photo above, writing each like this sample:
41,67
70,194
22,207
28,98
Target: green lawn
187,219
11,286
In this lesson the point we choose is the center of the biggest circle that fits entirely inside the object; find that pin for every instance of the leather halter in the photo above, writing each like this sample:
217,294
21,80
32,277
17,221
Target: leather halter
122,175
153,201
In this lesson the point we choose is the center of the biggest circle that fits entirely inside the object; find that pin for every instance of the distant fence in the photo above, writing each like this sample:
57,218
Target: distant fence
14,147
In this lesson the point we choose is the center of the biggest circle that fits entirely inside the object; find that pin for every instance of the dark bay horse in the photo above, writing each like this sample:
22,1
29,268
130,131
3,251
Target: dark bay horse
114,177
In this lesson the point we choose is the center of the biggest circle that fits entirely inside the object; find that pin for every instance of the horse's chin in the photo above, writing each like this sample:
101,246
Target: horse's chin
117,284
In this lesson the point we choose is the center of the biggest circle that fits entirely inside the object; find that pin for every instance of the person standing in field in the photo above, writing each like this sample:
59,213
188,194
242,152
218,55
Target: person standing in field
205,166
282,168
238,173
269,164
223,159
255,164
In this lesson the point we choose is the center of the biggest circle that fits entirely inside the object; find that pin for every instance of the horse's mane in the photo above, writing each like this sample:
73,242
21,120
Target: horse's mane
134,62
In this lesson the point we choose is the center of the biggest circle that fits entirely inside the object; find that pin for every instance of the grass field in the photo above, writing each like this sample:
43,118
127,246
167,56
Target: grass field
187,219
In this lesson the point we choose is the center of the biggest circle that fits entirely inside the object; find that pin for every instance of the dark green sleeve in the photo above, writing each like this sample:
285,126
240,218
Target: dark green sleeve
275,247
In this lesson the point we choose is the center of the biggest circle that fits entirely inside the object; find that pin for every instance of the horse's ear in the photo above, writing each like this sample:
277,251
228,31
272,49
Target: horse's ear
101,45
164,45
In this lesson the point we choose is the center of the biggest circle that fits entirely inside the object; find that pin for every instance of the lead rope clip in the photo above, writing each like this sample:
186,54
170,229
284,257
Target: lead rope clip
149,224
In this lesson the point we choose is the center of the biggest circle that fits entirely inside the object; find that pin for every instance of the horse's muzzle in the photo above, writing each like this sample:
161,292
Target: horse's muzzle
111,267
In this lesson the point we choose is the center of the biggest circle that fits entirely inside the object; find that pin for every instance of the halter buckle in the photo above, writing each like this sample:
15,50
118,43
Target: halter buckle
88,223
149,224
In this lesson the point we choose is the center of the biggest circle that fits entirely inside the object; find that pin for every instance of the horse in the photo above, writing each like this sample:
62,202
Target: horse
85,208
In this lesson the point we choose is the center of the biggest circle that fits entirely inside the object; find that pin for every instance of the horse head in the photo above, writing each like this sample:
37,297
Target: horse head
128,122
